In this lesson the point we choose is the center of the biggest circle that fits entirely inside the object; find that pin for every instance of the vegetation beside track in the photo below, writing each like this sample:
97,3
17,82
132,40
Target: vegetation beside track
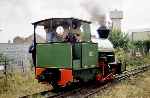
131,53
19,84
131,61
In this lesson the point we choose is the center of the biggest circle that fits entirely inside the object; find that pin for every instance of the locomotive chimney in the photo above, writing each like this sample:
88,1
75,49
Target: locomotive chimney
103,32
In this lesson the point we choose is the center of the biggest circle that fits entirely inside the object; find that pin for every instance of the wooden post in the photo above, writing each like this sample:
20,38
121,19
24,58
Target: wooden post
22,66
5,67
5,73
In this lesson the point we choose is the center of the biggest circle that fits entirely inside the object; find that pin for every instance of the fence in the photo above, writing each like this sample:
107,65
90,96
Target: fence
10,66
3,66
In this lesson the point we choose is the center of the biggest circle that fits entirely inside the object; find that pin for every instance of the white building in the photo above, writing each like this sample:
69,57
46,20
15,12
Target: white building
140,34
17,53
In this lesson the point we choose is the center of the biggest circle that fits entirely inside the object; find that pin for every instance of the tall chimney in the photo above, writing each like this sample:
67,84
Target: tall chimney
116,17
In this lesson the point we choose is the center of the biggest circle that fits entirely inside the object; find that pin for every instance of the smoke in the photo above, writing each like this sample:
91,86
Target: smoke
95,11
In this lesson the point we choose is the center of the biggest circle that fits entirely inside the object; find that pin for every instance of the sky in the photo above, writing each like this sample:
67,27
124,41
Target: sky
17,15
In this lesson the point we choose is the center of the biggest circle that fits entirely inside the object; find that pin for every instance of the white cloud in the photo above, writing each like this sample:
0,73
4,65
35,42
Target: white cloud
136,14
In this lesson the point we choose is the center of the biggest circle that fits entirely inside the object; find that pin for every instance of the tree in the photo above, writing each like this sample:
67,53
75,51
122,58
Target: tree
4,58
146,46
119,39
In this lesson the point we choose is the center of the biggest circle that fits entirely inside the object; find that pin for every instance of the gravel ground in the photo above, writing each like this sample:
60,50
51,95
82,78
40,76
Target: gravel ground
134,87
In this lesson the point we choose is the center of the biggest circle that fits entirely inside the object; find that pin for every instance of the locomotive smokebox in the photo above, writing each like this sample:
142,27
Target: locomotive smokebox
103,32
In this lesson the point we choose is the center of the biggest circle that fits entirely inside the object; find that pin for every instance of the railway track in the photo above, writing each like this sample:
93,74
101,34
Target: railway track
89,90
123,76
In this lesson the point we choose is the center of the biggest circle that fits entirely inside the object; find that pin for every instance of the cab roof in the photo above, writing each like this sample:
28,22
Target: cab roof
45,21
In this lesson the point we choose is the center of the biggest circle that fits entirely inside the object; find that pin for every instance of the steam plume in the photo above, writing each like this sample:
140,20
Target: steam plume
95,11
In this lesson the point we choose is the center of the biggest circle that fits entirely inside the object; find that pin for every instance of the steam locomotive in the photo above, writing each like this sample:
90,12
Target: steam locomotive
69,55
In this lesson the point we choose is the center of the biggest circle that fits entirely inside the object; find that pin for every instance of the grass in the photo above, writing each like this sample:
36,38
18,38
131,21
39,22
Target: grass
20,84
135,87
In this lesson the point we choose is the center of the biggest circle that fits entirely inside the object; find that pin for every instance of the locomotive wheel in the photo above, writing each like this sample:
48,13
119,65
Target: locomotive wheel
68,83
55,85
81,82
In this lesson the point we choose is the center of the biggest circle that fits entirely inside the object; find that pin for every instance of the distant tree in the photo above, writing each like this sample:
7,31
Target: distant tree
119,39
143,46
146,46
4,58
138,44
1,57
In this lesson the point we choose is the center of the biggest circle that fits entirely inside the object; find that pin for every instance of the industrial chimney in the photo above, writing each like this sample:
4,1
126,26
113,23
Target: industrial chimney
116,17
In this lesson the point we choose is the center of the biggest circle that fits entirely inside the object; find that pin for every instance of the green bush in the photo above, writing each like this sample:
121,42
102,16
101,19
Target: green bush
129,60
121,55
119,39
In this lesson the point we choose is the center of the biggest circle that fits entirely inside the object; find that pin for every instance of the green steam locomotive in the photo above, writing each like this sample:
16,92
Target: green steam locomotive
69,54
